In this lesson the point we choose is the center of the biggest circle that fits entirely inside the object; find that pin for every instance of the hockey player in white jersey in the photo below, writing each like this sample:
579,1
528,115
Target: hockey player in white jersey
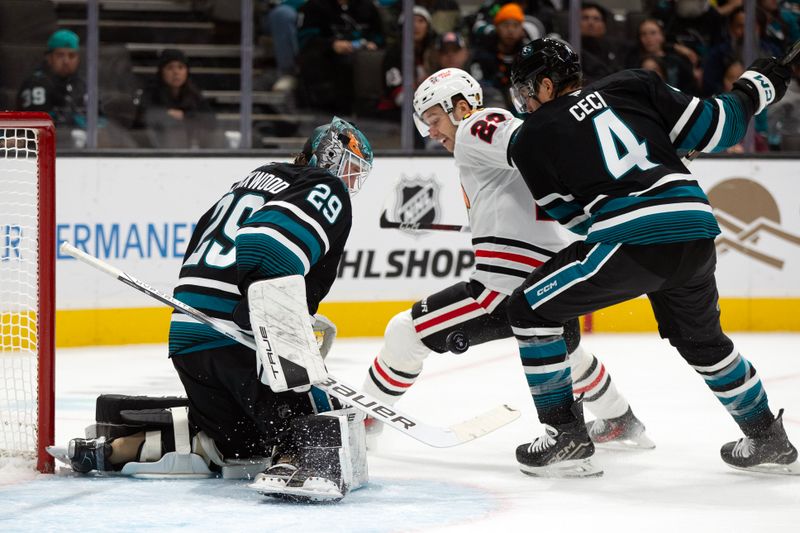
508,244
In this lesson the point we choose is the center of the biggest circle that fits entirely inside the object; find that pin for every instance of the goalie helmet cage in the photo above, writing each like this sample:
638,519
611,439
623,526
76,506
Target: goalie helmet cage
27,286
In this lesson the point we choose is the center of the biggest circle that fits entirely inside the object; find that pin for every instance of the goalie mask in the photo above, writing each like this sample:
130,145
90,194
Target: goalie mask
439,89
343,150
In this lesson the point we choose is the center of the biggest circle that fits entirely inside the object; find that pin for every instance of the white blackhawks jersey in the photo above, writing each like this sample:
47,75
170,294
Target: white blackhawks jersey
510,236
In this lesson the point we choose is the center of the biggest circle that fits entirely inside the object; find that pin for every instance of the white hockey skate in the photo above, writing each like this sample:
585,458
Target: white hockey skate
624,432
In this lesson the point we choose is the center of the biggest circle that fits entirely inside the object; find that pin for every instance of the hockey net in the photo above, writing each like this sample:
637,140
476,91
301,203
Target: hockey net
27,282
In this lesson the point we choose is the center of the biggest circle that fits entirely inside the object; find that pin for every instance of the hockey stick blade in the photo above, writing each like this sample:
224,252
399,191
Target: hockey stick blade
436,436
420,226
786,60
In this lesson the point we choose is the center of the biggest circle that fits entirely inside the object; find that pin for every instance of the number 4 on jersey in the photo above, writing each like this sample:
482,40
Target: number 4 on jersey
613,134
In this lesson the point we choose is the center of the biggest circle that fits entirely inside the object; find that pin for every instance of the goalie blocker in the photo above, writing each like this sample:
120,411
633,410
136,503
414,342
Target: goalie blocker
288,354
322,457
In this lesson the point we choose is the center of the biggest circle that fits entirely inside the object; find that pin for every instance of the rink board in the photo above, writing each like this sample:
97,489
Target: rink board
138,214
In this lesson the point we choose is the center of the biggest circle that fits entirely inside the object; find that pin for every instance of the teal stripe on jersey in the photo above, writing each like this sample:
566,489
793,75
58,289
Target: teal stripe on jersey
206,302
676,226
683,191
563,211
265,256
735,123
699,128
583,227
291,227
555,283
187,337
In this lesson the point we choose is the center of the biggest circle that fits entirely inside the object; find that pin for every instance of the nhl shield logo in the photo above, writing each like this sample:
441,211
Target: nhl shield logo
417,200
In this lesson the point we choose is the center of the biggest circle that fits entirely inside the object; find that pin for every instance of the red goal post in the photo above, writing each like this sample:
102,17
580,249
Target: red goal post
27,286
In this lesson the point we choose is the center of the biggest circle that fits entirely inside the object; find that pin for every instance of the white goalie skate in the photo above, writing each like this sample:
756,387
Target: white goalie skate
289,482
322,460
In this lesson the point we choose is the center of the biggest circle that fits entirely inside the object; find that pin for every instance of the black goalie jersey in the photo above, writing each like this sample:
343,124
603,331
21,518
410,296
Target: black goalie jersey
602,161
280,220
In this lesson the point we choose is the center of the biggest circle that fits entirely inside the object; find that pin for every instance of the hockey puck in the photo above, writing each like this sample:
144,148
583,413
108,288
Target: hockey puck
457,342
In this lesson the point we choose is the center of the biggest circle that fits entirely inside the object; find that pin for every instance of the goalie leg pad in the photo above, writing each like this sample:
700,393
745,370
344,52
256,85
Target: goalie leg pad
180,463
110,410
329,453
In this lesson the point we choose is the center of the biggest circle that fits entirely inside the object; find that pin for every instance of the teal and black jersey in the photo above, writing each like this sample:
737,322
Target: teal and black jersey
603,160
280,220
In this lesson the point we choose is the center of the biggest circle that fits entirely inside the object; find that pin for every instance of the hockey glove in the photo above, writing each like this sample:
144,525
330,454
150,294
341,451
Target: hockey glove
325,331
765,82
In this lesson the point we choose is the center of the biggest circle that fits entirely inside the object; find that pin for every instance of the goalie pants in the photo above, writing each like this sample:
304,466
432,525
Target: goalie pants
678,278
227,401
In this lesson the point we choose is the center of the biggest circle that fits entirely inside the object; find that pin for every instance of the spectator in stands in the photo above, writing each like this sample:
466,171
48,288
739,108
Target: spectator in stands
651,43
726,7
56,87
655,64
731,48
173,109
445,16
600,54
451,51
781,24
329,33
691,25
784,117
391,102
491,63
280,21
538,19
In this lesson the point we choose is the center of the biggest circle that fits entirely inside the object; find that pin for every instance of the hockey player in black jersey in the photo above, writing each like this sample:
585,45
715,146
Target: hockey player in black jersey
283,219
649,231
508,244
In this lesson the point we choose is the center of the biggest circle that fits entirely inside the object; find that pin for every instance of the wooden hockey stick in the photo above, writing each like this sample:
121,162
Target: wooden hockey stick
419,226
436,436
787,59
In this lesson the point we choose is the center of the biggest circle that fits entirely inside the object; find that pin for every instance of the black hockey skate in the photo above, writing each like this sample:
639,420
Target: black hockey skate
624,432
771,452
563,451
86,455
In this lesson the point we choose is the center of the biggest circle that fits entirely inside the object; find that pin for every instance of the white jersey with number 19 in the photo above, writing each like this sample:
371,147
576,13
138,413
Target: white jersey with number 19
510,235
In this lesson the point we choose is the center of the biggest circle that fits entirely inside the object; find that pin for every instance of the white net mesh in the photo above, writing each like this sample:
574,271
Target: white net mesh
19,291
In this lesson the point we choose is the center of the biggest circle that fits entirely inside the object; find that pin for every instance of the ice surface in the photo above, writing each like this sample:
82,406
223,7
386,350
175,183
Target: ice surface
681,485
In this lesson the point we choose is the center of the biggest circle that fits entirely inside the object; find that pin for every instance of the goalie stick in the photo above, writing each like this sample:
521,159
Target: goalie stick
436,436
787,59
419,226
